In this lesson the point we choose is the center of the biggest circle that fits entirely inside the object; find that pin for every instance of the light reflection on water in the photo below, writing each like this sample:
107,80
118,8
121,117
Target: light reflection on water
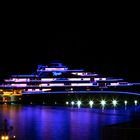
40,122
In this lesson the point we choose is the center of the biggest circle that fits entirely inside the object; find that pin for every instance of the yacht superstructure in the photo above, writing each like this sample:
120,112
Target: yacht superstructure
55,78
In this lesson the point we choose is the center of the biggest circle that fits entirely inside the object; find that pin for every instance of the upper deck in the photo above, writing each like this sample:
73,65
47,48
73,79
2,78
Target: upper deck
59,75
56,69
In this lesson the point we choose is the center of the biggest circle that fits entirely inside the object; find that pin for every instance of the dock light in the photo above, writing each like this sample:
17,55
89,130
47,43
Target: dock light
67,103
72,102
125,102
91,103
103,103
135,102
114,102
78,103
4,138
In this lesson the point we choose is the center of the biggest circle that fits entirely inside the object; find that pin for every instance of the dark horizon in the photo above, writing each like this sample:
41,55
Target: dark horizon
108,54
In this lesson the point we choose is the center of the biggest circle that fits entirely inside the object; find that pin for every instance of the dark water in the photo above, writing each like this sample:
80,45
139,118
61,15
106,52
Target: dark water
38,122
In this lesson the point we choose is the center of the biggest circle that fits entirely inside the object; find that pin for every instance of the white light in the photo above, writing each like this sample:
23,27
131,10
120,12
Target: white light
125,102
78,103
67,103
135,102
91,103
103,102
72,102
114,102
81,84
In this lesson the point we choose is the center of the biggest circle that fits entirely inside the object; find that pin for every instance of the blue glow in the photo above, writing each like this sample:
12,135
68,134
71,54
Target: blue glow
71,82
62,123
91,92
56,73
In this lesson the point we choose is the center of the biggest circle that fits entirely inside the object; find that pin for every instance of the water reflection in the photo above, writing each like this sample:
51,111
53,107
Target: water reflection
52,123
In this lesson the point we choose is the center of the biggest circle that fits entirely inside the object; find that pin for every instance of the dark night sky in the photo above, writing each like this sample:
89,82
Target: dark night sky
105,45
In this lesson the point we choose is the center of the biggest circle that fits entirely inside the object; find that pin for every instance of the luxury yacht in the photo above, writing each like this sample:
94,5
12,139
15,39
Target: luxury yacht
55,83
